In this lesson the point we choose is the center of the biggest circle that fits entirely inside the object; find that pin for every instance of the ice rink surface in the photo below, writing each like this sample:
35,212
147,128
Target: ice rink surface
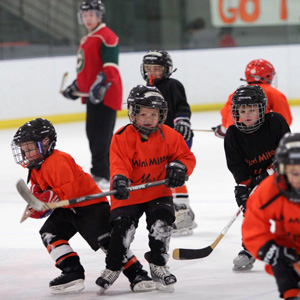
26,267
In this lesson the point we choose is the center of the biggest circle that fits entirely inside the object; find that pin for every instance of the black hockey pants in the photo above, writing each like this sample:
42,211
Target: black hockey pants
160,216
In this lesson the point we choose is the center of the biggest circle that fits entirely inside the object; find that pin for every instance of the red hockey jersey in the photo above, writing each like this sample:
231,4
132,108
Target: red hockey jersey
99,51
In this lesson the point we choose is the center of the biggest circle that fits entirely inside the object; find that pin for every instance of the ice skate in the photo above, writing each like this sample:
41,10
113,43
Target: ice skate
67,283
163,279
243,262
142,283
184,221
106,279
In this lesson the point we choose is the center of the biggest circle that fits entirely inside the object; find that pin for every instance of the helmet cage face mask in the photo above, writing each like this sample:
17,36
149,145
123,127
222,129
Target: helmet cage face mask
161,58
260,70
252,97
28,161
288,153
148,97
94,5
38,139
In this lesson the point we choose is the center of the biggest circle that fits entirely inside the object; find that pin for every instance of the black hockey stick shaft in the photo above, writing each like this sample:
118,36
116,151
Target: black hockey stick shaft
39,205
187,254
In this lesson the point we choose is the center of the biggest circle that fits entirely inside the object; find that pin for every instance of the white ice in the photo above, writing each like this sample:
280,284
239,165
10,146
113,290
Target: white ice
26,267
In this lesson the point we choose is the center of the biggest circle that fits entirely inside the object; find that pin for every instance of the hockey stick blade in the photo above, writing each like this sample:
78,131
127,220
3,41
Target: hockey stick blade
188,254
27,213
40,206
78,93
63,80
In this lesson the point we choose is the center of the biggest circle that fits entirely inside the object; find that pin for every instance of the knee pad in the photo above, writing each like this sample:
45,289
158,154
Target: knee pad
124,227
161,230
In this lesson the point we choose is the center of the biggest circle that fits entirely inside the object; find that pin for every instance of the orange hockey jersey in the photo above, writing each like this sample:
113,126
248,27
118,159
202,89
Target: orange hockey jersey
279,220
62,175
146,161
277,102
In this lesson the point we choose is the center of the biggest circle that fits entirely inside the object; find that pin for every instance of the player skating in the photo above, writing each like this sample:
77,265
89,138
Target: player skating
156,69
250,146
258,72
145,151
271,225
54,175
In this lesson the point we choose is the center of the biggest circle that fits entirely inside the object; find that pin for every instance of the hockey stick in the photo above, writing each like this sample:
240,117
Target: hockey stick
203,130
27,213
182,254
61,90
39,205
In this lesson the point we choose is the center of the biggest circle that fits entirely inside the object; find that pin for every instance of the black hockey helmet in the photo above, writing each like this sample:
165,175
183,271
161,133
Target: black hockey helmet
157,57
96,5
288,153
248,95
146,96
40,131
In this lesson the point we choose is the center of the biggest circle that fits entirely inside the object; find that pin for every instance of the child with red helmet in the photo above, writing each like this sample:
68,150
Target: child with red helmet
258,72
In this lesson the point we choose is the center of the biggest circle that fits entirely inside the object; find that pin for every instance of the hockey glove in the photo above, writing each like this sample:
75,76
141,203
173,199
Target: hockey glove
176,174
38,214
120,184
99,88
241,193
68,92
47,196
272,254
183,126
219,131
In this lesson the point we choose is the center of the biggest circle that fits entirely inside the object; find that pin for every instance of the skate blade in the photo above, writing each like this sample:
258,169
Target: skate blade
144,286
68,288
242,268
165,288
101,291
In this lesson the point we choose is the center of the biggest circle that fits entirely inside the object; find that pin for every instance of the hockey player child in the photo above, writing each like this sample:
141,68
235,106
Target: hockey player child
54,175
258,72
271,225
250,146
98,74
145,151
156,69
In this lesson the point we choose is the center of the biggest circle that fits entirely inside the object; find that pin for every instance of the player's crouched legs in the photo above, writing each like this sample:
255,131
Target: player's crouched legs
123,229
159,225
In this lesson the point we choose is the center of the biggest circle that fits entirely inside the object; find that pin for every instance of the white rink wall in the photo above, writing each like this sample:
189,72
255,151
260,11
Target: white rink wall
30,87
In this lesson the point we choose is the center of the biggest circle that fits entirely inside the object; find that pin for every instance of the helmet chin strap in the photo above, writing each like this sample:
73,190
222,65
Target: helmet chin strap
152,79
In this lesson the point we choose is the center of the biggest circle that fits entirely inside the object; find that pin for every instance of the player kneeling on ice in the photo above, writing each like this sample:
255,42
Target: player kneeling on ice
250,146
54,175
271,225
145,151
